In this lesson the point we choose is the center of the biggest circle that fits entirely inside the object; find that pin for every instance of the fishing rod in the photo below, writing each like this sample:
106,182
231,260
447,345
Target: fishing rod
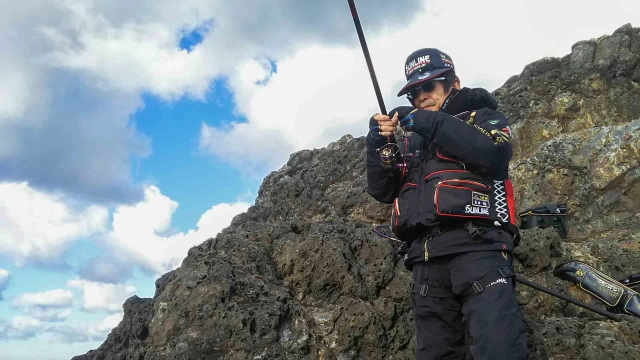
365,49
389,151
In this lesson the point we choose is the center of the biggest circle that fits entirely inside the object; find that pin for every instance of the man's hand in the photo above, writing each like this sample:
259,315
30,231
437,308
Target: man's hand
403,113
386,125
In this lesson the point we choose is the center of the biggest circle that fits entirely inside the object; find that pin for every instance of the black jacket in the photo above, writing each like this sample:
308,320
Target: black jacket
453,169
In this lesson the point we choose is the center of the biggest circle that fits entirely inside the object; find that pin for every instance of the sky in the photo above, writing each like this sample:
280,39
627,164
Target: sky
132,131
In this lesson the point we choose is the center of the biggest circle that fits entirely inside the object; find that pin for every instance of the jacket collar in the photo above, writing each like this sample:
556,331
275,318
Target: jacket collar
467,99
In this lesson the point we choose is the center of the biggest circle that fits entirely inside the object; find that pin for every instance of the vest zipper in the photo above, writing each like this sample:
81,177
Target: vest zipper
426,250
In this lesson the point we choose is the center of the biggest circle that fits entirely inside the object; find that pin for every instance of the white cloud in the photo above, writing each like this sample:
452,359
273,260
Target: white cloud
26,328
137,230
82,332
13,96
101,330
57,298
58,131
101,296
24,322
138,51
52,305
129,57
321,92
106,268
5,277
19,328
48,314
38,227
75,70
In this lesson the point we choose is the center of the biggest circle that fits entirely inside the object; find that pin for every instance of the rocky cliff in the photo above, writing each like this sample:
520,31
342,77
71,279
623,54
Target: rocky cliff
301,275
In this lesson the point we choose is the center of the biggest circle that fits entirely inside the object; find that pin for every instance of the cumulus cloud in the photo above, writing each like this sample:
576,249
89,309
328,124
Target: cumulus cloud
58,130
137,230
107,269
20,328
26,328
68,334
83,332
74,72
58,298
36,227
5,277
139,52
49,306
286,115
101,296
49,314
323,91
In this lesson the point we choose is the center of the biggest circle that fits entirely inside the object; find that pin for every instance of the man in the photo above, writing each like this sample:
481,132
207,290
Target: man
448,181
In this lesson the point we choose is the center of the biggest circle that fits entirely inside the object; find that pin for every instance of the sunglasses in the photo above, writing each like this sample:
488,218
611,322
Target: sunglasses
426,87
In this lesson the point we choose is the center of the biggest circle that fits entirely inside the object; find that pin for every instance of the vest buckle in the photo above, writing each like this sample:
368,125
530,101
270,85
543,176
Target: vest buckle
473,231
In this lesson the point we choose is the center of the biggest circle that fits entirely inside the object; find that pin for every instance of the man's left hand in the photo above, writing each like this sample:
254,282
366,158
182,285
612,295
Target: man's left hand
405,116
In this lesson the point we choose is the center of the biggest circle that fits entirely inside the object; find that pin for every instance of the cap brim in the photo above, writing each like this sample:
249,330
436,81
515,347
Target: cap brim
419,78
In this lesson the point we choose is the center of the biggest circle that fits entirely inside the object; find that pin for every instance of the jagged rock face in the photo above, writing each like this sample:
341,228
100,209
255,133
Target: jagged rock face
302,276
576,125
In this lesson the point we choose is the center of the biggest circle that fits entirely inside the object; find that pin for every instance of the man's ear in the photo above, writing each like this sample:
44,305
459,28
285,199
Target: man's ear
456,83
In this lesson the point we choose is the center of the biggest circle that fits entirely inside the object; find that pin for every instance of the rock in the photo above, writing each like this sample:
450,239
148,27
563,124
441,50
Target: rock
582,54
129,340
301,275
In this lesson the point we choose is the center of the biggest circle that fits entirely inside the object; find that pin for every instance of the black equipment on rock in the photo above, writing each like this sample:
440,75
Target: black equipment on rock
632,282
618,297
548,215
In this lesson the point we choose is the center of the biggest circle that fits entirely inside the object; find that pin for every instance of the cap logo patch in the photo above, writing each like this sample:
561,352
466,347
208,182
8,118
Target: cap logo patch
417,63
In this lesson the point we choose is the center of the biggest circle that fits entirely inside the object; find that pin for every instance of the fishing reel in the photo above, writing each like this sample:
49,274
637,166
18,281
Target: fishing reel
390,156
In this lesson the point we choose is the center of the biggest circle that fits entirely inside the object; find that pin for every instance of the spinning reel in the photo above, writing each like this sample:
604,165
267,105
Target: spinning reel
391,158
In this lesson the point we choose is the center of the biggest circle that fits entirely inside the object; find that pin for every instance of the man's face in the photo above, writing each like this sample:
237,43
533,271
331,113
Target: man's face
434,96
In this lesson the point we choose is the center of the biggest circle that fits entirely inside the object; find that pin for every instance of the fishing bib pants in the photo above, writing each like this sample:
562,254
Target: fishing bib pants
472,291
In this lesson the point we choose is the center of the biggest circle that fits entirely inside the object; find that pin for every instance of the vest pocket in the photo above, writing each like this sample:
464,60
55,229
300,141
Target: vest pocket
459,198
404,209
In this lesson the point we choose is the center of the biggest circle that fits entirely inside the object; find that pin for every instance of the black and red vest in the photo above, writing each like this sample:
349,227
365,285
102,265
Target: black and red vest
437,189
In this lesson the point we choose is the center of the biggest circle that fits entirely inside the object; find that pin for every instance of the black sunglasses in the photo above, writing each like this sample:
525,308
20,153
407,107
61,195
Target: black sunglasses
426,87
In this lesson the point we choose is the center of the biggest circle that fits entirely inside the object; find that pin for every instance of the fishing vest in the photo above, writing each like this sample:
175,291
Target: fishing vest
437,189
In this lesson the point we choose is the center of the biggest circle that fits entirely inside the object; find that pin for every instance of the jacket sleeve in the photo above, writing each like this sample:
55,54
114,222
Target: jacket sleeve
482,143
382,183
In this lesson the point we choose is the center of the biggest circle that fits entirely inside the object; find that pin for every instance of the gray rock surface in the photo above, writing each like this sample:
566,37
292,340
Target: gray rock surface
301,275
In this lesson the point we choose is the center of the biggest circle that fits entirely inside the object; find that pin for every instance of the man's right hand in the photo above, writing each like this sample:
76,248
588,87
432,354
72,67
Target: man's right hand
386,126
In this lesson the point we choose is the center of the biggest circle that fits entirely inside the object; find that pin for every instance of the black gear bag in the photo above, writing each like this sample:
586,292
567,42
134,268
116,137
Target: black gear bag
618,297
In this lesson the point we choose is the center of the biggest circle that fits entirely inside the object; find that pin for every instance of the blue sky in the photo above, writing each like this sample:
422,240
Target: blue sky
129,133
178,166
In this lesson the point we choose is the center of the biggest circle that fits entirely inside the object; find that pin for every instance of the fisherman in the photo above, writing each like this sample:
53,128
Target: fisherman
446,174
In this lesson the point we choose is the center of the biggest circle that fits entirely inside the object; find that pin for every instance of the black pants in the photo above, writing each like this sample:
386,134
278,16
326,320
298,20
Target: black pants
492,317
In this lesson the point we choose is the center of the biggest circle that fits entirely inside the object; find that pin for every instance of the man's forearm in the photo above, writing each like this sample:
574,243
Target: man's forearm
381,182
469,143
